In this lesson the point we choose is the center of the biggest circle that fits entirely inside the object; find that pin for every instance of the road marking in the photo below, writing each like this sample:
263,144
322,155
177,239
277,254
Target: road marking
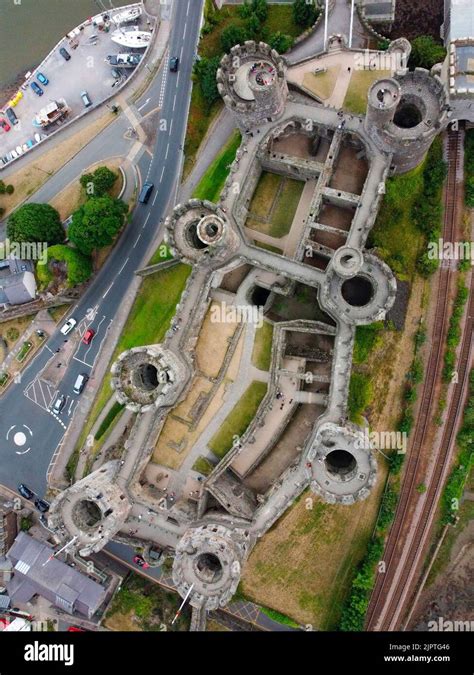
81,361
108,290
153,202
123,266
49,349
144,104
146,219
174,106
162,174
171,126
185,29
167,151
138,238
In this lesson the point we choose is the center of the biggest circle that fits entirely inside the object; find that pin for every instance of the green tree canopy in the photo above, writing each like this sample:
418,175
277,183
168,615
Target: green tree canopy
304,13
281,42
78,265
233,35
206,71
35,223
425,52
98,183
96,223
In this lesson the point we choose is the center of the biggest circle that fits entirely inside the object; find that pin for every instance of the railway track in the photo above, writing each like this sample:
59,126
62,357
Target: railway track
409,533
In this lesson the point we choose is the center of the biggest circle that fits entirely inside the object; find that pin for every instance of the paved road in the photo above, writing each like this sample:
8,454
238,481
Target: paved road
29,432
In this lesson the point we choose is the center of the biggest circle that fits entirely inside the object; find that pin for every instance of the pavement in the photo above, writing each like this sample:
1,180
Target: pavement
101,304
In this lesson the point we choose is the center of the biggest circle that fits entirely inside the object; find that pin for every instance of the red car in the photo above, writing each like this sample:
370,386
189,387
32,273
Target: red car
76,629
138,560
4,124
88,335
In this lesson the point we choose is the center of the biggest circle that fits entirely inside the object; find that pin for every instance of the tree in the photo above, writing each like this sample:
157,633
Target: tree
78,265
98,183
233,35
35,223
281,42
206,71
260,9
425,52
304,13
253,26
96,223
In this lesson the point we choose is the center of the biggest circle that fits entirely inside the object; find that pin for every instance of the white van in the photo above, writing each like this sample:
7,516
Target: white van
80,383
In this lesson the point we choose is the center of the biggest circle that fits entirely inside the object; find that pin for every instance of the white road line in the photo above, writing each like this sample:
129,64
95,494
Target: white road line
167,151
137,239
122,268
49,349
146,219
153,202
162,174
171,126
174,105
81,361
185,29
108,290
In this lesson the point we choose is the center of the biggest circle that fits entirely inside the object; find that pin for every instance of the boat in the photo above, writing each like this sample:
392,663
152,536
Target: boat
127,16
133,39
124,60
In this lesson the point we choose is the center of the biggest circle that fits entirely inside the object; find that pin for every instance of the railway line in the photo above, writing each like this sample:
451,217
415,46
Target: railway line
413,519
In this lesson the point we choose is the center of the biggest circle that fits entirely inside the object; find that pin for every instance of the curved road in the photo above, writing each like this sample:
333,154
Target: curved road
29,432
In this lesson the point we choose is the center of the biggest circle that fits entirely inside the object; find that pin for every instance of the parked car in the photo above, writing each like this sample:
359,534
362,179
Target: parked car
80,383
37,137
30,143
42,78
25,147
42,505
25,491
88,335
13,154
138,560
174,64
85,99
116,74
4,124
145,193
65,54
68,326
10,113
59,404
37,89
19,150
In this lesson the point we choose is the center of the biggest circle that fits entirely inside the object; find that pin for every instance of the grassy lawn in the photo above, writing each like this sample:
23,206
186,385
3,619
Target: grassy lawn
397,238
322,84
57,313
149,319
211,184
238,420
203,465
274,204
303,566
201,116
268,247
356,96
262,349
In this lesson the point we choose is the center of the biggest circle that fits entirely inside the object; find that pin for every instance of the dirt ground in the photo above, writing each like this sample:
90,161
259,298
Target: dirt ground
29,179
299,145
350,173
417,18
336,216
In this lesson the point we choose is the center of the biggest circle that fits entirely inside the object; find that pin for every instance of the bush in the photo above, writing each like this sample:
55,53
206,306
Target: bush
366,340
35,223
415,373
233,35
79,266
360,395
387,508
469,167
96,223
425,52
205,71
282,43
3,187
9,189
99,183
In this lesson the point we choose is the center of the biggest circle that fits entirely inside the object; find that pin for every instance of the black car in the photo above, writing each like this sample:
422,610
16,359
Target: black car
41,505
10,113
174,64
145,193
65,54
25,491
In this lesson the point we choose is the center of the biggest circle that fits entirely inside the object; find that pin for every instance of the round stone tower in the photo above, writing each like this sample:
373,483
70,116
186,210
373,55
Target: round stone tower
404,115
148,377
200,231
252,82
90,512
207,564
342,464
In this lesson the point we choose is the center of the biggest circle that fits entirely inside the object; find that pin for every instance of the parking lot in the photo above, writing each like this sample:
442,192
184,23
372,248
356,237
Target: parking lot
86,70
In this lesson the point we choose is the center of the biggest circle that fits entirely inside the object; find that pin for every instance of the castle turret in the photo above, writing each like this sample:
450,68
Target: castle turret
252,82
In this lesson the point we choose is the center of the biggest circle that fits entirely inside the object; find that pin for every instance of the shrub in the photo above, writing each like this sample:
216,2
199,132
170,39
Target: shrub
96,223
360,395
35,223
99,183
304,13
79,266
282,43
426,52
10,189
233,35
205,71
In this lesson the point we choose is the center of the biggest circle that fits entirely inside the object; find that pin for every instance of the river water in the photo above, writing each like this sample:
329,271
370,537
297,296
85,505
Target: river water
29,29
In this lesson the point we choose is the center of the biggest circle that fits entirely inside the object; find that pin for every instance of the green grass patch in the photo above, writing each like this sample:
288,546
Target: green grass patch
149,319
4,377
78,266
262,349
211,184
114,411
203,465
268,247
360,396
356,95
395,234
238,420
367,339
201,116
162,254
274,204
24,351
279,617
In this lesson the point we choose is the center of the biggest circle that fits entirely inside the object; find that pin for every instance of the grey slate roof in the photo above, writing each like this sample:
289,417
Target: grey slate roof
55,580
